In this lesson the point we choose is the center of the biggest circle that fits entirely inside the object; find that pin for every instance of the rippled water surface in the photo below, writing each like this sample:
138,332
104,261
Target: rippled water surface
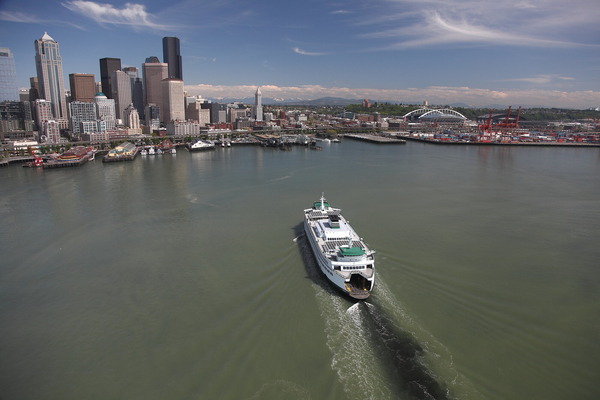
188,276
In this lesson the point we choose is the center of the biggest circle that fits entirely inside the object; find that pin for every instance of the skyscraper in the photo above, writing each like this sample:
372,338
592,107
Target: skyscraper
173,100
83,87
258,111
8,76
153,74
121,86
107,67
50,75
137,89
172,56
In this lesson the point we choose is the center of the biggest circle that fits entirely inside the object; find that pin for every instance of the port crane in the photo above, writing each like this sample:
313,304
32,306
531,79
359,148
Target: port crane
487,126
506,124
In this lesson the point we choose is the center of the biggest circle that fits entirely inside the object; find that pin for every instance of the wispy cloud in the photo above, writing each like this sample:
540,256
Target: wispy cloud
542,79
434,94
298,50
14,16
133,15
552,23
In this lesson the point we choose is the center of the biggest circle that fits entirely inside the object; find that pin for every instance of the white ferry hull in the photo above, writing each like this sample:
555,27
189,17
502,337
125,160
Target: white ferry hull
353,274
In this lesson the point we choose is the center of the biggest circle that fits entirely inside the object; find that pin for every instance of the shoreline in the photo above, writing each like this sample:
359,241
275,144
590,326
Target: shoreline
513,144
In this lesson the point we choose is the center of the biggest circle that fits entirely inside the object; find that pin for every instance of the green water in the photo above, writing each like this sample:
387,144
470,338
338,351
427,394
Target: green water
187,276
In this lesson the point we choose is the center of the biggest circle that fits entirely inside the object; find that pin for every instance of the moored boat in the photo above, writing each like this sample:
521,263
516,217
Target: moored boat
201,145
341,254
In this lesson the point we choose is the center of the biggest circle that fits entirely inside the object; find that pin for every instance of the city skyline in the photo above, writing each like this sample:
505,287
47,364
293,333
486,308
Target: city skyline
528,53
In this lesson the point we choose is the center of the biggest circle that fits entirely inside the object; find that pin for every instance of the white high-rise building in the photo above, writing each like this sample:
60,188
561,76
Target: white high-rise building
50,75
105,109
258,110
173,100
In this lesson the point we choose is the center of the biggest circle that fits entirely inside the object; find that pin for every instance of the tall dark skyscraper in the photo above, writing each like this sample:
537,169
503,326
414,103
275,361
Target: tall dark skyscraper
107,67
172,56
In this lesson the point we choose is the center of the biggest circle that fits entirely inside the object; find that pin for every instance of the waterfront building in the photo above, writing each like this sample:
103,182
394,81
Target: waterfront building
121,85
50,76
83,87
87,127
184,128
153,75
172,56
8,76
94,131
198,110
218,112
42,112
173,100
105,110
107,67
152,115
12,116
50,132
258,110
81,111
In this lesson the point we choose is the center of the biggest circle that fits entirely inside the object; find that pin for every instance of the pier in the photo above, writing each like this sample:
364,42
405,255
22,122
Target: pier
512,143
376,139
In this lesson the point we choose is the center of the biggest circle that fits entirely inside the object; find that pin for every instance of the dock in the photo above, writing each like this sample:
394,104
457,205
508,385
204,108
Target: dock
375,139
65,164
509,144
124,152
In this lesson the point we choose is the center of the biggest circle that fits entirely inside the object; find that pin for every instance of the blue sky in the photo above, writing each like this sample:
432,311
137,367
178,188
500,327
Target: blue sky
477,52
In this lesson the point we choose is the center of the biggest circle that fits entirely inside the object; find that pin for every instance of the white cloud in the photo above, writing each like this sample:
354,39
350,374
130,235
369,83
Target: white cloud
433,94
134,15
298,50
551,23
17,17
542,79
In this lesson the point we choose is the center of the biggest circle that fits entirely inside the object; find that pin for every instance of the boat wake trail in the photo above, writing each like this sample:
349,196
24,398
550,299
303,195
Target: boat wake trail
374,348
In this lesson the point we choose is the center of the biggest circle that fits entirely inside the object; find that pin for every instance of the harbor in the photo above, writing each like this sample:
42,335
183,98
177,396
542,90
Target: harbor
171,242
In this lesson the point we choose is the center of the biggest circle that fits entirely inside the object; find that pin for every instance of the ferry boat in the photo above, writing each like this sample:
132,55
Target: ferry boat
201,145
342,255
